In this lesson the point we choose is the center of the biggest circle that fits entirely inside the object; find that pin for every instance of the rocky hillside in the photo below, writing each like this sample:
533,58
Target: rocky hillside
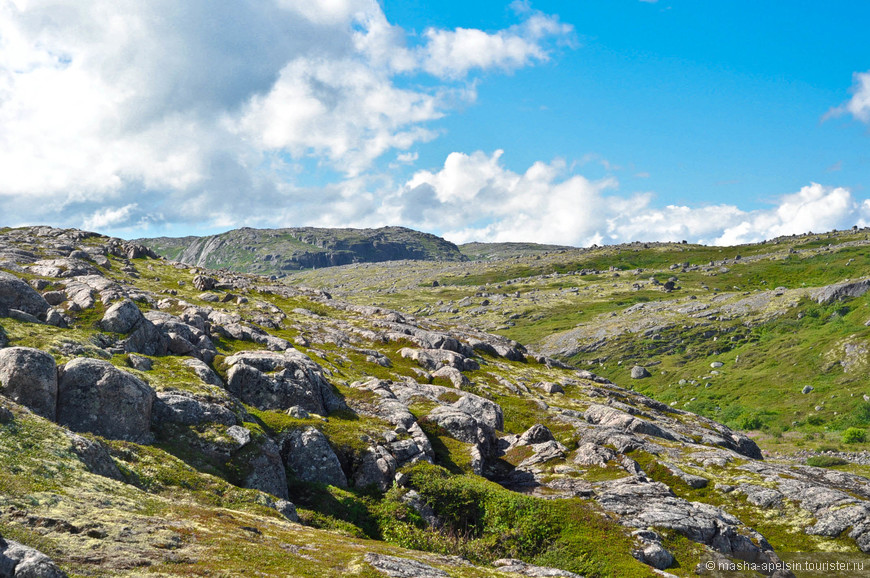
163,419
770,338
277,251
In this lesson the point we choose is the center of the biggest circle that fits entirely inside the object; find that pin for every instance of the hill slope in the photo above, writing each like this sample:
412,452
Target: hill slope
755,309
160,420
277,251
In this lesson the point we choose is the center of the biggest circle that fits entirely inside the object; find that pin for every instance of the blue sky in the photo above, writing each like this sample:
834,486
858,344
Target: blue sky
560,122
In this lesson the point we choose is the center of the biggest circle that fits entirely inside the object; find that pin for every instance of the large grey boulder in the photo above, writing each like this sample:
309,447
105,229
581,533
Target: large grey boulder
242,332
483,410
95,396
605,416
122,317
19,561
639,372
272,380
29,377
18,295
465,427
309,456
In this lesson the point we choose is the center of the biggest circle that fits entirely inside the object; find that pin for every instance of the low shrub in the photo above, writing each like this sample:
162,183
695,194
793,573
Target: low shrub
854,435
825,461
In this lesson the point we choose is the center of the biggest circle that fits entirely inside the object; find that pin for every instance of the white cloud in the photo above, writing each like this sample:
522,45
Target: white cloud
191,111
476,198
859,105
453,53
109,218
341,110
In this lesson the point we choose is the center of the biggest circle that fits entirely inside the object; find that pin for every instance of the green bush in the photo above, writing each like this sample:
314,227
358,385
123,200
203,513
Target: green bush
749,422
825,461
854,435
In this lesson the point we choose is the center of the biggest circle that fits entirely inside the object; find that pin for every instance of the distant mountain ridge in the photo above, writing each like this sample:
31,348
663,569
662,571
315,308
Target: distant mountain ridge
277,251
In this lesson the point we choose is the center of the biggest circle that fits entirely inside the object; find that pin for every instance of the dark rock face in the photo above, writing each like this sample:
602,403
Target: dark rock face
266,470
378,467
271,380
18,295
19,561
29,377
94,396
308,454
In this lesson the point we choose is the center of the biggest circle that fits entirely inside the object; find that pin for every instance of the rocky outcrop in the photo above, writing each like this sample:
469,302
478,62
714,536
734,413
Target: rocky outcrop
526,569
16,295
378,467
309,456
143,337
435,359
271,380
183,338
94,396
466,428
183,409
19,561
29,377
643,504
841,291
396,567
246,332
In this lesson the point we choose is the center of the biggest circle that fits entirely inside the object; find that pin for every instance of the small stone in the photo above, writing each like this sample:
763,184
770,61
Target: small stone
140,362
242,435
287,509
297,412
807,389
639,372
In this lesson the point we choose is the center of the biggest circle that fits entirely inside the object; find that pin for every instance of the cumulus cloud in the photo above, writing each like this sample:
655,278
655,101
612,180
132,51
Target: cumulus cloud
859,105
476,198
119,112
453,53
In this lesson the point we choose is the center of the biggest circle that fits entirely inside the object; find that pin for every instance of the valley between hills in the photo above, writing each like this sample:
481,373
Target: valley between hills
384,403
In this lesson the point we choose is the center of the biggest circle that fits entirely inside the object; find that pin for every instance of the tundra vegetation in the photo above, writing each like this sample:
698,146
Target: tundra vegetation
506,410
